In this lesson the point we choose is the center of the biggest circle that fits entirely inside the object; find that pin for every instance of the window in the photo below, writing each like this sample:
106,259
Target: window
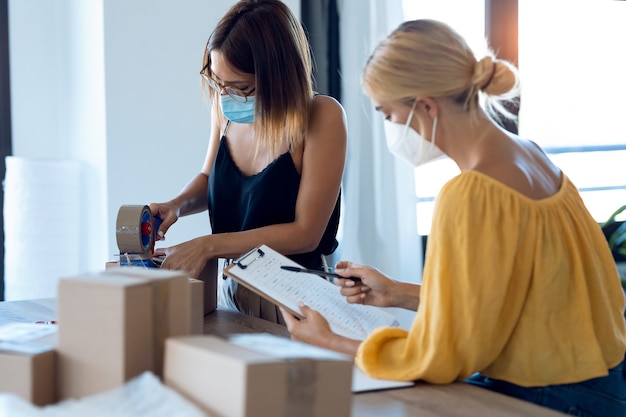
572,93
572,65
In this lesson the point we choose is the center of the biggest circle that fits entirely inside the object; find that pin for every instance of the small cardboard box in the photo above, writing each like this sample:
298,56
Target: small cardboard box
29,373
172,305
196,293
232,379
208,276
111,264
105,335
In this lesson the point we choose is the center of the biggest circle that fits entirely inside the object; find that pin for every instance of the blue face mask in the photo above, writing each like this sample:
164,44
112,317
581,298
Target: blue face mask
238,112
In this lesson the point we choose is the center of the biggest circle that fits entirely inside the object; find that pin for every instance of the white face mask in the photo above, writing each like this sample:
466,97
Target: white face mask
405,143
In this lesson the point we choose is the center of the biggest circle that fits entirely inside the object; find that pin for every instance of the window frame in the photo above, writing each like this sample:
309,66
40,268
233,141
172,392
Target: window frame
5,113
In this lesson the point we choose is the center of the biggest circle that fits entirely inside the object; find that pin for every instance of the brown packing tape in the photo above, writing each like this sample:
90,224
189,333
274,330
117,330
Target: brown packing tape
301,387
319,381
128,229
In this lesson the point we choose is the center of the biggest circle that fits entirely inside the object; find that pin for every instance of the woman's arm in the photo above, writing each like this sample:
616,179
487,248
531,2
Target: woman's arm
193,197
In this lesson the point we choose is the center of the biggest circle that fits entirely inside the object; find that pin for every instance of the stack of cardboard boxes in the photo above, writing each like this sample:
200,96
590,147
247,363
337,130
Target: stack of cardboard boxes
112,326
117,324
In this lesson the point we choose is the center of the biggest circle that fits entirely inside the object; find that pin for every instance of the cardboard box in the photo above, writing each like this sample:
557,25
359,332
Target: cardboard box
29,374
196,294
105,335
111,264
231,379
171,305
209,277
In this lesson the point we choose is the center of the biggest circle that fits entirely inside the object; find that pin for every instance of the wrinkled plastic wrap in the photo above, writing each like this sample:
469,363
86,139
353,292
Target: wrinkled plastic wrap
143,396
42,225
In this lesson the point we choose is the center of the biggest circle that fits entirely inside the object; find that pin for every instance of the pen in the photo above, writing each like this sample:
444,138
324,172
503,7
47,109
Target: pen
316,272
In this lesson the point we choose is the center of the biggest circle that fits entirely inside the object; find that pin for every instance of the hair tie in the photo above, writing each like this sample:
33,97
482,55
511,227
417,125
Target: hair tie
493,72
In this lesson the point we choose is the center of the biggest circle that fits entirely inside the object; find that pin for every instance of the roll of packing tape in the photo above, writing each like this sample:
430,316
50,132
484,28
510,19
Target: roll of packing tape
133,229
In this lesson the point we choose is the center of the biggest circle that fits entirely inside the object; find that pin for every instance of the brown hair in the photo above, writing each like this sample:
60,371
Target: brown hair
428,58
264,38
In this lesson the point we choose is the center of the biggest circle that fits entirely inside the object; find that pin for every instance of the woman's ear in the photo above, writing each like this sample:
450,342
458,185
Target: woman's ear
428,105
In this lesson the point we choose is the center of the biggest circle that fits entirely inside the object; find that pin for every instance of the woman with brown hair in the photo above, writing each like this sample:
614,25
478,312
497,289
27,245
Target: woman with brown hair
275,160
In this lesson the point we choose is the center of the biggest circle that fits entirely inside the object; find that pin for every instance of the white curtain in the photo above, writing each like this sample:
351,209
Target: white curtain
378,214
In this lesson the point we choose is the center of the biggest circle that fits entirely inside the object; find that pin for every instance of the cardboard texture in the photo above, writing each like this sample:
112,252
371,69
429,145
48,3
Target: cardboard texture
31,376
227,379
196,294
107,333
111,265
209,277
171,305
320,380
224,379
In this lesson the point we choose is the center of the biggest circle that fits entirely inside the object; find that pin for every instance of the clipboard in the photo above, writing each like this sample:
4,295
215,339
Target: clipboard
242,264
259,270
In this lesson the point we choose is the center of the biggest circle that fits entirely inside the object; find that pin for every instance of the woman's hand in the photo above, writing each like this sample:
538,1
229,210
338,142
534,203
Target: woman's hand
374,288
167,212
190,256
315,330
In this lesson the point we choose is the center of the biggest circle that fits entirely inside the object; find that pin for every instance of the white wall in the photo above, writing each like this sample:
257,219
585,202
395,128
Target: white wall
57,99
114,84
157,119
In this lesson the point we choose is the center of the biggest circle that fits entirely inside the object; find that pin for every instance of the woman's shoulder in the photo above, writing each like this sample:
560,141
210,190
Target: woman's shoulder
324,103
471,189
326,113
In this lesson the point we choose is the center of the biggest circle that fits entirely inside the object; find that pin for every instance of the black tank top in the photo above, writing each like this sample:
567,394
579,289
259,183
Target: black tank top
238,202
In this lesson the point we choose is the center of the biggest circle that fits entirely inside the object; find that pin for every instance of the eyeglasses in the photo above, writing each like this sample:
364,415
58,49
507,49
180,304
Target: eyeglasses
234,92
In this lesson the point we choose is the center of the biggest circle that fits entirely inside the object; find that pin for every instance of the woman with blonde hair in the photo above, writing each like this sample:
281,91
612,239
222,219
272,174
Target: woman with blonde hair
275,159
519,291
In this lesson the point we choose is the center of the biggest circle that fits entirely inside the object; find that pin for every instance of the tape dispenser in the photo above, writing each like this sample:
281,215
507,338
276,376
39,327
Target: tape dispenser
135,232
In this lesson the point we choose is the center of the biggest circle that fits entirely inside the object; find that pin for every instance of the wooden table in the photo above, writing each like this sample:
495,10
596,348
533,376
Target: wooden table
423,400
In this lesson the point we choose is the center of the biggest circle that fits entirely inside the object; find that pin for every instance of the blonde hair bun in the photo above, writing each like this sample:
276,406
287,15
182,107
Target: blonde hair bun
494,77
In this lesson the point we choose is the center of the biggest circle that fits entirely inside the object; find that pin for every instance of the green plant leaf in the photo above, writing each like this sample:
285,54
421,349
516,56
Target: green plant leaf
614,215
618,237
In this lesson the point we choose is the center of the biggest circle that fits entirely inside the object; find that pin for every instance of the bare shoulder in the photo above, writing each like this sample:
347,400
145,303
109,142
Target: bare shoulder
326,106
327,113
327,101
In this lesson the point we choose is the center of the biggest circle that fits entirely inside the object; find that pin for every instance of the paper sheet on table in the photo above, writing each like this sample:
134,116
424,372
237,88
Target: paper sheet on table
363,383
143,396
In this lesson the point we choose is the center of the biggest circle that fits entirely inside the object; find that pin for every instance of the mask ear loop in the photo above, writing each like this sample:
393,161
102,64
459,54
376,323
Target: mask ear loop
408,122
434,130
429,145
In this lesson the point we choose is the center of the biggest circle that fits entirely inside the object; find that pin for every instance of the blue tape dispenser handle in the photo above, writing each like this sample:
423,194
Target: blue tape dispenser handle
157,224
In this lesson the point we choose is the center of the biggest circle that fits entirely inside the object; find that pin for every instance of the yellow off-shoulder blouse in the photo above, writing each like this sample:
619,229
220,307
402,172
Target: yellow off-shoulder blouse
520,290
